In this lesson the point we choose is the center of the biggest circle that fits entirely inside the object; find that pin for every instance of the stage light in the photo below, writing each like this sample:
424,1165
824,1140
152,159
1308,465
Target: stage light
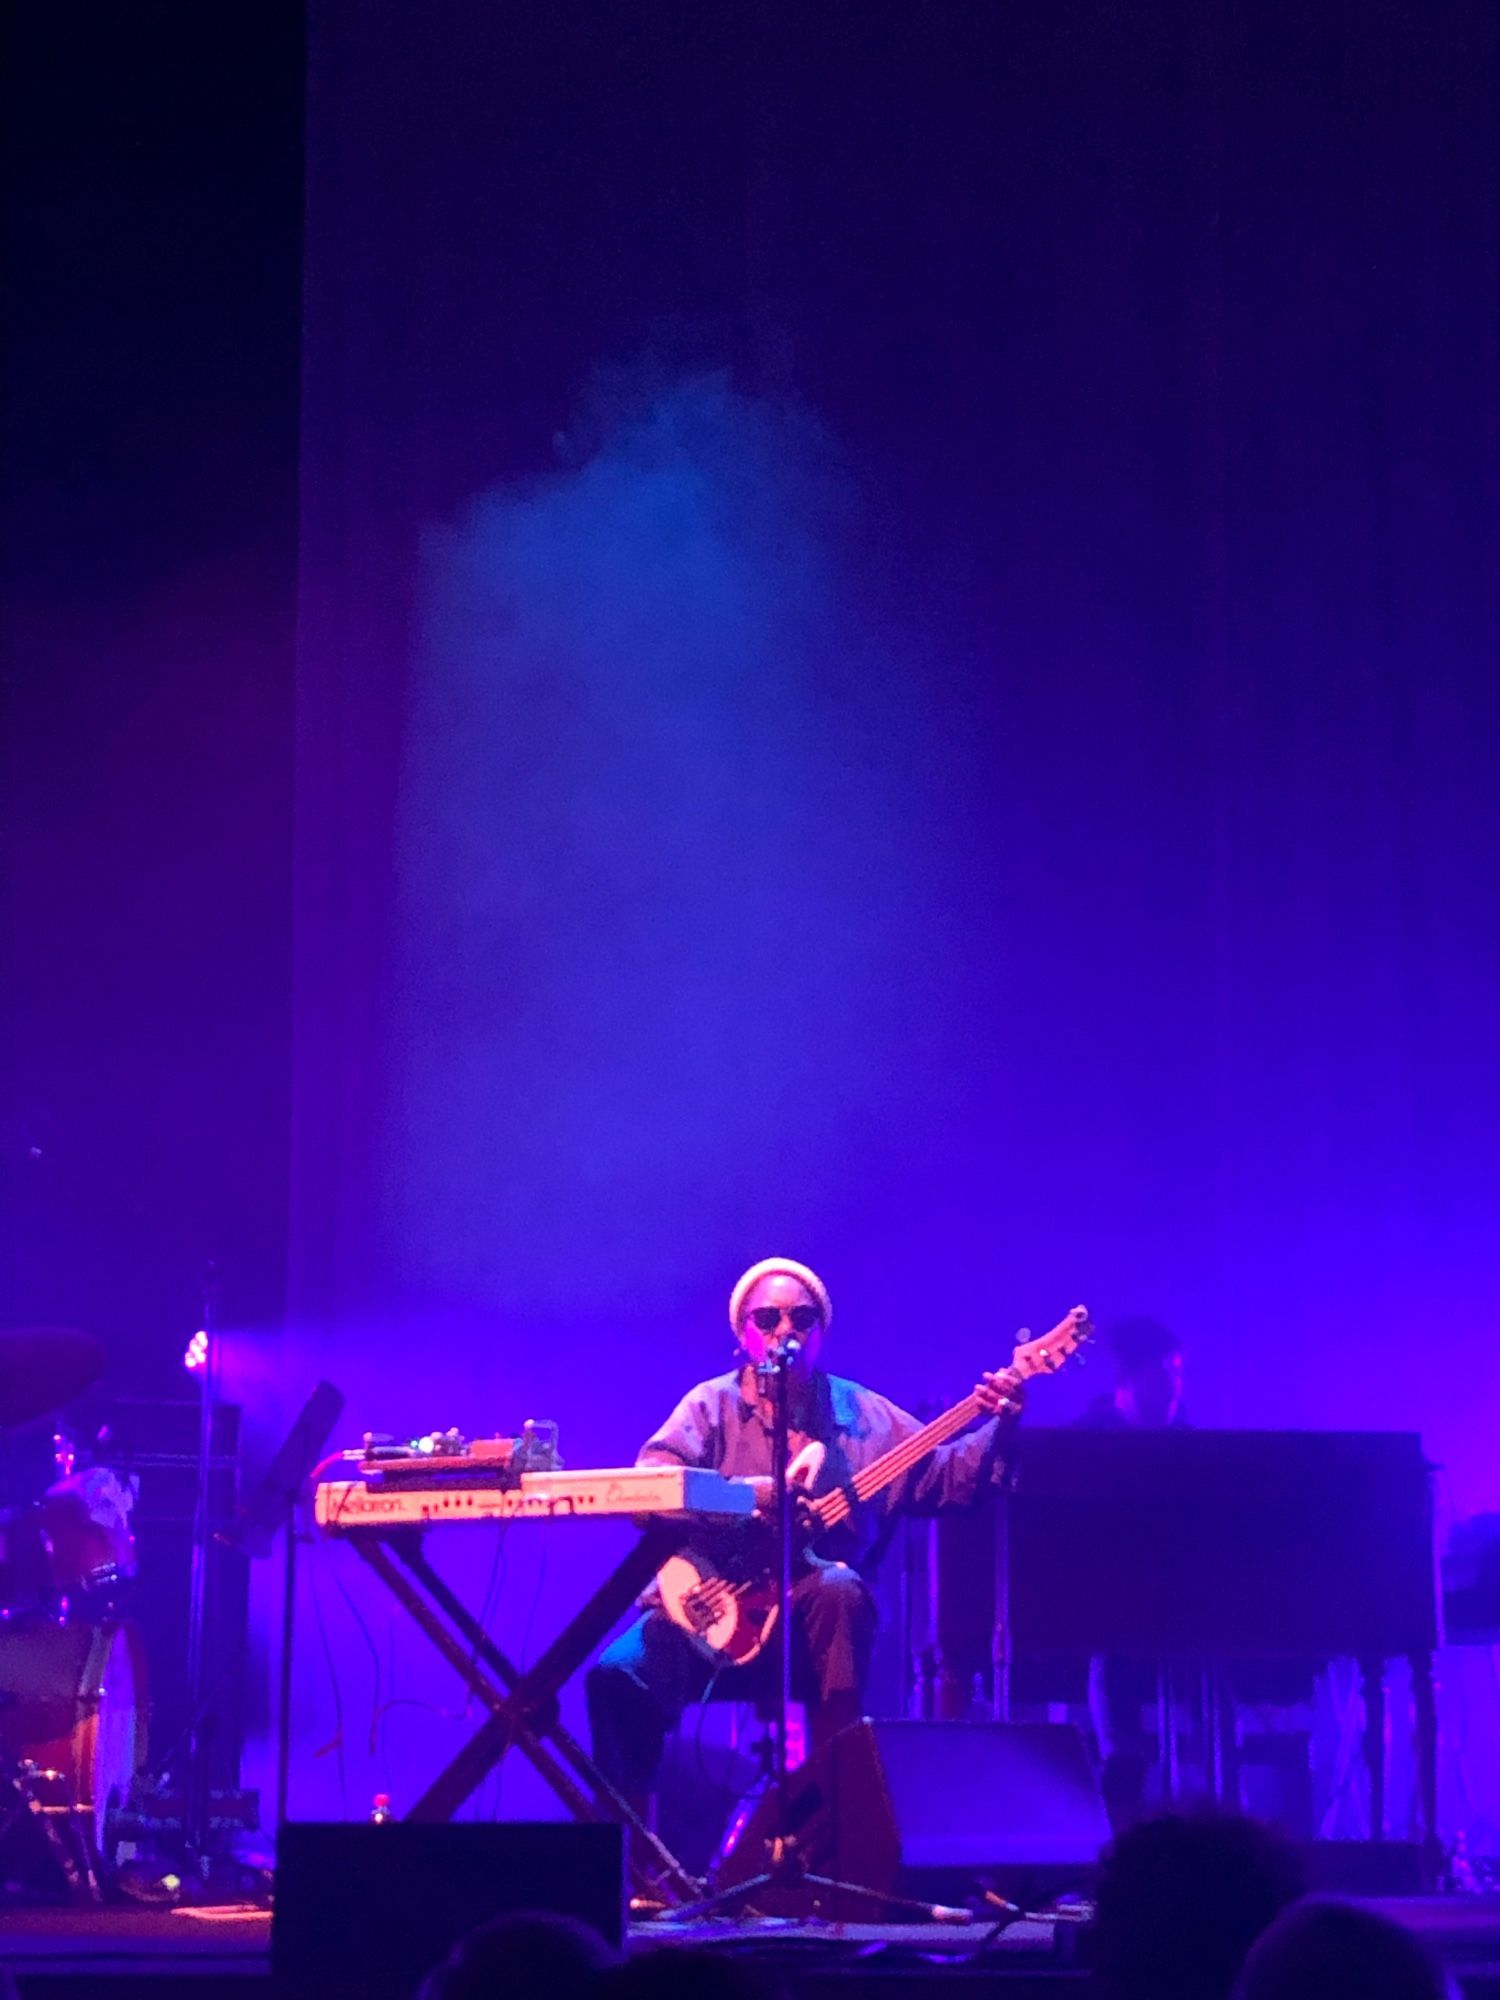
196,1356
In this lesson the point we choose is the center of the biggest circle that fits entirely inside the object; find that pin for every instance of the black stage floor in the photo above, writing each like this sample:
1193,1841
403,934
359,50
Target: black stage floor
124,1954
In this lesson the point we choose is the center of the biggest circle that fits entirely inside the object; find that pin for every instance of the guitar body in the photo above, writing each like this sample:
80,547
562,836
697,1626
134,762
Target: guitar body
728,1622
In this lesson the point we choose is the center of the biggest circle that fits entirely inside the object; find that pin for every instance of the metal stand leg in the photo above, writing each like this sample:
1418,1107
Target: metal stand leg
1372,1686
1424,1711
1166,1731
66,1834
1217,1701
1000,1647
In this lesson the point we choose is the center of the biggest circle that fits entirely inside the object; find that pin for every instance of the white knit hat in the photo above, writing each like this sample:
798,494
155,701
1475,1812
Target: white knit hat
779,1267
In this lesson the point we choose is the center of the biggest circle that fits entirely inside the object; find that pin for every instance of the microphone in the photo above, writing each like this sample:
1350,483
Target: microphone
780,1356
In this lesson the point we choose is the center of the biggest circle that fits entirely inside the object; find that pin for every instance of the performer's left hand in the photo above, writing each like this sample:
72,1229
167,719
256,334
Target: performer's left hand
1001,1394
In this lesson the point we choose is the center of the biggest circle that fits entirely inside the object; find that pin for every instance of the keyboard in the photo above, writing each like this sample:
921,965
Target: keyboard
343,1506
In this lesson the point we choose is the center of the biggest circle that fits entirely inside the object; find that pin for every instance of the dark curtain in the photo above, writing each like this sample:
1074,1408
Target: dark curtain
899,664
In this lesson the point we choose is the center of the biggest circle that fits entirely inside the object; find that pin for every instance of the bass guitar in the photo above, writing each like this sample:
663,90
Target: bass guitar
731,1619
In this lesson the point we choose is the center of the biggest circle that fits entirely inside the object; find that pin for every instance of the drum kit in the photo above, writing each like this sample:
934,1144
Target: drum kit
72,1674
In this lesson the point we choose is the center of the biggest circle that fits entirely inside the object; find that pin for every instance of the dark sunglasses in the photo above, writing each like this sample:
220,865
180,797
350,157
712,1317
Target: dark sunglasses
801,1319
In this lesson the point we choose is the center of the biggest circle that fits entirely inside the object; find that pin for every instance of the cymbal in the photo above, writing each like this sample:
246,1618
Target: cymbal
43,1367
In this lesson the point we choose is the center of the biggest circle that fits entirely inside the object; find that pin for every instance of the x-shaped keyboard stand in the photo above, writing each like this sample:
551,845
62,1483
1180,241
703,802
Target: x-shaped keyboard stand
523,1707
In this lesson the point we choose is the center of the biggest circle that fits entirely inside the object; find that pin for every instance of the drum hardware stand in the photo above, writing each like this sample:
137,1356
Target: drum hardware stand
270,1511
181,1861
60,1826
193,1849
785,1869
196,1790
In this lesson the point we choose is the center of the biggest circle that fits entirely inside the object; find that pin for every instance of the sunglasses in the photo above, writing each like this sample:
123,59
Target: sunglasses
801,1319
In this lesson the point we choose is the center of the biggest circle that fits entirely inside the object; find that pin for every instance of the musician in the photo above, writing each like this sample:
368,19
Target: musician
643,1681
1147,1389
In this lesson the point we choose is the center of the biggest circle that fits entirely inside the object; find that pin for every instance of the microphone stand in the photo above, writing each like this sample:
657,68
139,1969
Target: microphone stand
785,1870
776,1369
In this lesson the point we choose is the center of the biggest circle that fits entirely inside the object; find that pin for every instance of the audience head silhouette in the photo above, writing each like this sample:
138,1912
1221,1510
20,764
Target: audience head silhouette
1181,1899
1321,1950
683,1973
530,1955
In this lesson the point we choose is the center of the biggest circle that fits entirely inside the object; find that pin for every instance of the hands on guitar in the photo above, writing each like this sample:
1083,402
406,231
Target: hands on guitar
1001,1393
765,1491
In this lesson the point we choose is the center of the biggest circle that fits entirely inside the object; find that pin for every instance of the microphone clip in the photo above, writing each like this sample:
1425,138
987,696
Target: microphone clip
778,1360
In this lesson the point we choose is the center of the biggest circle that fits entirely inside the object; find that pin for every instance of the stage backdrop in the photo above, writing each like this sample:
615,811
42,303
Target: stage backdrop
897,666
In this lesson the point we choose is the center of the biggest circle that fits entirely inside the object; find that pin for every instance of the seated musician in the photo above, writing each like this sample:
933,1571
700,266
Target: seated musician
644,1680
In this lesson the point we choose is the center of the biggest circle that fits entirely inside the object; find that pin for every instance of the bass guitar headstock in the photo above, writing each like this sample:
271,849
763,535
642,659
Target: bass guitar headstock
1047,1354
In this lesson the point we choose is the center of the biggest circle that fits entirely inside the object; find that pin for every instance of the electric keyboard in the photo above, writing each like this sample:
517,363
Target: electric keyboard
343,1506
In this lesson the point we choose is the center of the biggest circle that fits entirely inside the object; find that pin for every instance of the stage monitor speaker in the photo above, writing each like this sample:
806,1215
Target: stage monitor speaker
935,1812
370,1909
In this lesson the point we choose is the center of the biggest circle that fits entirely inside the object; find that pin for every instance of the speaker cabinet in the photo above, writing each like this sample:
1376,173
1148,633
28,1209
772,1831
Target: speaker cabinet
935,1812
370,1910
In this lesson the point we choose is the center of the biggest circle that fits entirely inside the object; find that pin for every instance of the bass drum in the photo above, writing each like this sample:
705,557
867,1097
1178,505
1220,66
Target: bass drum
73,1719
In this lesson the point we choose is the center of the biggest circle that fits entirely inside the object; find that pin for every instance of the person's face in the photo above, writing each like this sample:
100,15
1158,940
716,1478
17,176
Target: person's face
771,1300
1151,1393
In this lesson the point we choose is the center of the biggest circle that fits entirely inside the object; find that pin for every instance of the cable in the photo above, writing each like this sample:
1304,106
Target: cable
337,1742
488,1605
523,1663
715,1785
536,1598
416,1701
373,1650
499,1571
324,1465
991,1936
